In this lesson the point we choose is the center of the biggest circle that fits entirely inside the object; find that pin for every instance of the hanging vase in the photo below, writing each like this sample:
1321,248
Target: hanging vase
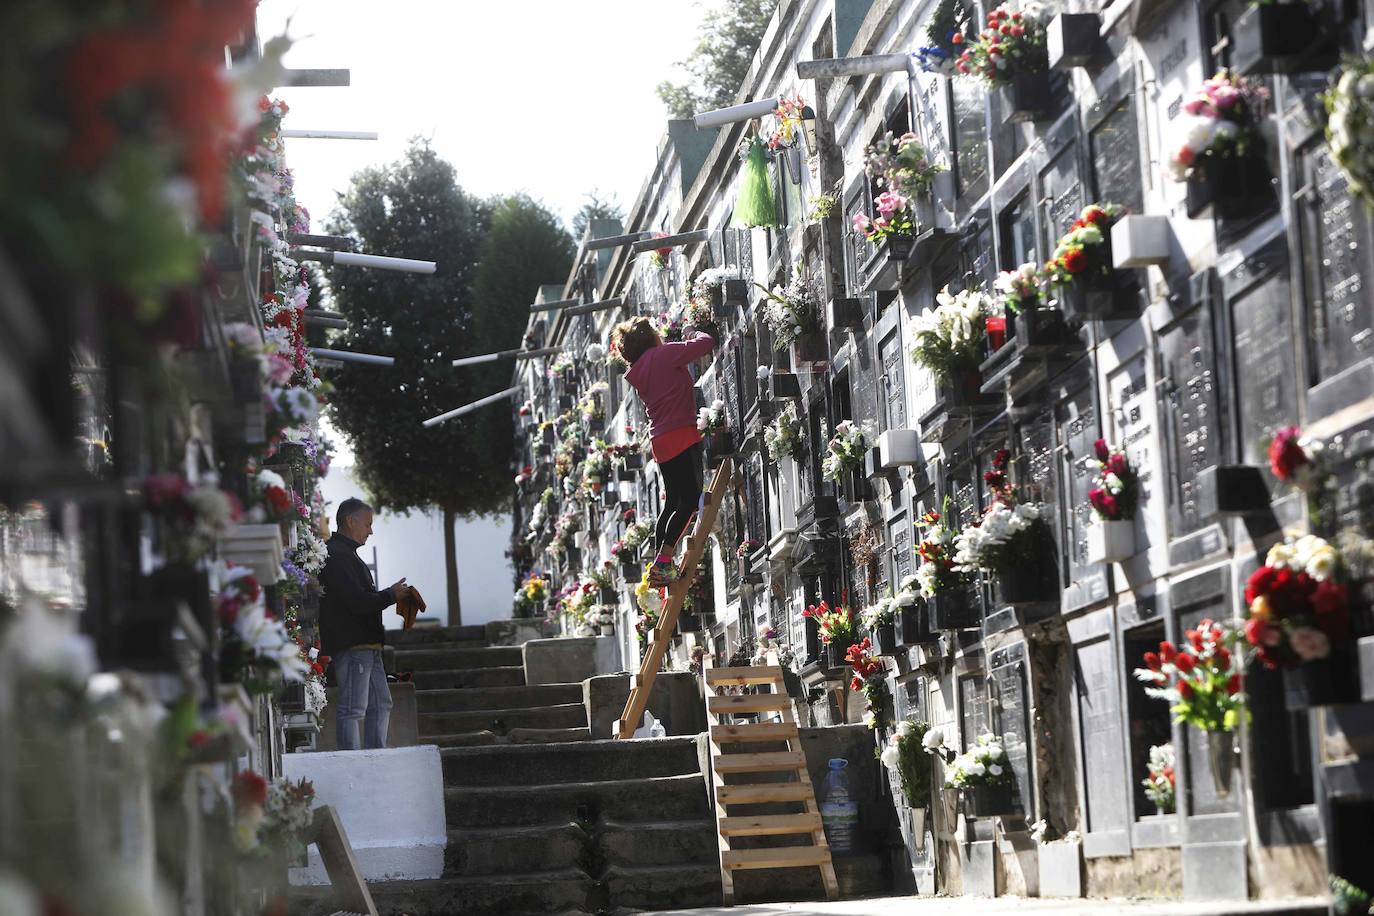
1221,757
755,206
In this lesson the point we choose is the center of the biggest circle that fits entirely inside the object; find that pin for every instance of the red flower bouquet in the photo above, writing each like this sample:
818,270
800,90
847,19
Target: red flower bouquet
1299,603
1200,679
1115,489
1084,248
836,625
870,676
1013,43
1296,459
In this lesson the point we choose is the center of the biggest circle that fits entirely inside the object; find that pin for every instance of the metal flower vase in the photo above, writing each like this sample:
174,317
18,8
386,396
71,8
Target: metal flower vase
1221,759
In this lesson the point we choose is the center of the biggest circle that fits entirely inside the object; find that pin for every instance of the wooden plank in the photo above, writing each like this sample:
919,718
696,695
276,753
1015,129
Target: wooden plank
633,713
754,731
749,702
770,762
768,824
781,857
350,890
763,793
767,674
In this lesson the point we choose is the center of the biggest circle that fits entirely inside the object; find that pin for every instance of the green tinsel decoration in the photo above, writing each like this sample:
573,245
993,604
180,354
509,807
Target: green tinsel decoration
755,206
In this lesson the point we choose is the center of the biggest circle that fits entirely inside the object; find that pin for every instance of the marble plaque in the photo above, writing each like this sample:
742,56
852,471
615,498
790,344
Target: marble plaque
1337,248
1100,735
1190,406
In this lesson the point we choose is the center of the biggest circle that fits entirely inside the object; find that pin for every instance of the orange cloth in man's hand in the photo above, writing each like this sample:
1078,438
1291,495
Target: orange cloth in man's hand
409,605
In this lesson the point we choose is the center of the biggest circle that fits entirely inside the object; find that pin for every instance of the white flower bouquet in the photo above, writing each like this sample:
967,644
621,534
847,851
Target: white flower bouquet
790,312
1003,537
1350,125
785,436
950,336
845,451
984,764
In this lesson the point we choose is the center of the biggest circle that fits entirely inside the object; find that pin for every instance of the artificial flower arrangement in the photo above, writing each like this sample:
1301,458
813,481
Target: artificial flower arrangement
569,523
1020,290
563,368
271,818
592,406
1012,44
1115,489
637,534
1008,534
1350,123
257,649
316,663
790,311
949,338
659,256
984,764
768,641
904,753
712,420
937,573
196,515
901,168
747,548
882,613
650,604
276,497
595,469
1299,603
1084,251
845,451
1297,459
836,625
1223,122
945,38
309,555
524,476
1160,783
870,677
787,120
1201,680
755,206
785,437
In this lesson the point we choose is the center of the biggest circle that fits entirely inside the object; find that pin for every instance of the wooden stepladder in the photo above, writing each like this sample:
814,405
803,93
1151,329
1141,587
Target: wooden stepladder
773,723
661,636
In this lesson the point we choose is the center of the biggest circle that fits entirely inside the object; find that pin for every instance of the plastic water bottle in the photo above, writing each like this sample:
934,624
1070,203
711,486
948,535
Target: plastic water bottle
839,812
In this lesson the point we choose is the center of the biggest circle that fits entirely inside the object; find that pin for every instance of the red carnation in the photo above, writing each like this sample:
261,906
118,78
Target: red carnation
248,788
1102,449
1167,651
857,683
1233,684
1018,30
1285,454
1117,465
957,38
1185,690
1185,662
1195,638
1223,658
1152,661
1094,214
278,500
1075,262
1261,582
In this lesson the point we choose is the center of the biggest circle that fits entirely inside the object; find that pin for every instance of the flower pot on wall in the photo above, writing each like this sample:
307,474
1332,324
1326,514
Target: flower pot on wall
720,446
1110,295
808,350
1221,760
883,269
1281,38
1231,491
1074,40
1027,583
1061,869
953,610
997,800
1026,98
1111,541
1231,187
833,656
1328,681
885,640
912,625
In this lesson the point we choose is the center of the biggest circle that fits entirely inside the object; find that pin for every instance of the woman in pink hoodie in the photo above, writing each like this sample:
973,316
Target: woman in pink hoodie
658,373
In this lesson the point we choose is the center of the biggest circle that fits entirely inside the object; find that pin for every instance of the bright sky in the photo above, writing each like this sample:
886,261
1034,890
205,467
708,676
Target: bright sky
551,97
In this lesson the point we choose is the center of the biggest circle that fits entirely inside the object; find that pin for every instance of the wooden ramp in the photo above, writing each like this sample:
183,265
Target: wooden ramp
661,636
771,721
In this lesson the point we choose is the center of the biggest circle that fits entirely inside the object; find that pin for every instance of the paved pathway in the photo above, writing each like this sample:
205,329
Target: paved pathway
981,906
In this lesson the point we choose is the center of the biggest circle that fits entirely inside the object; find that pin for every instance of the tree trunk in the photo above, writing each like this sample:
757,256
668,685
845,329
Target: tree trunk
455,609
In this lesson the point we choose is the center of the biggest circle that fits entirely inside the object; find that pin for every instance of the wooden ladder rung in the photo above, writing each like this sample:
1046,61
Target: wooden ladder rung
740,676
749,702
770,762
754,731
782,857
769,824
763,793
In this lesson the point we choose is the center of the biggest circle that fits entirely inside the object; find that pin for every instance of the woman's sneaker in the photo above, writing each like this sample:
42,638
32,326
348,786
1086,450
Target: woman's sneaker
661,574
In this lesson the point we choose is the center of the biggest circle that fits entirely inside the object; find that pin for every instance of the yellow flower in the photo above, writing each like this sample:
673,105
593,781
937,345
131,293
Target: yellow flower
1260,607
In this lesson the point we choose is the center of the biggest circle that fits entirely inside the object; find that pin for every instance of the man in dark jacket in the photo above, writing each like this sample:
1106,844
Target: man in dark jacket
351,631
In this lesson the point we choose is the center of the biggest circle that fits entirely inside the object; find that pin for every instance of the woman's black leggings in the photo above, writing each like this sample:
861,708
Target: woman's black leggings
681,493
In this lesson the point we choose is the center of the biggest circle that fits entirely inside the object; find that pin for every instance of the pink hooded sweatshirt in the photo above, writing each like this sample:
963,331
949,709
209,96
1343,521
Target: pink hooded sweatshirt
663,383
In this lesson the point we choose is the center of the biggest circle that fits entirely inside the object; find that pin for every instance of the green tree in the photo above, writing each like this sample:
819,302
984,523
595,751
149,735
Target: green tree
415,208
594,208
717,66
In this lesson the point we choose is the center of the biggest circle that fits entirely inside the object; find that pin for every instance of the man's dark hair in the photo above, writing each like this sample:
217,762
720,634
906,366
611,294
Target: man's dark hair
349,508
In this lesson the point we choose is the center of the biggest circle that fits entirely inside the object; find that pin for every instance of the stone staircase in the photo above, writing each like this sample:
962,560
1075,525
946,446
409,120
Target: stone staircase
541,818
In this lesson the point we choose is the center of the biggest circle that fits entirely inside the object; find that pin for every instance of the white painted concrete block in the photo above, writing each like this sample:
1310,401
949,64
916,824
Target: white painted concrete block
391,803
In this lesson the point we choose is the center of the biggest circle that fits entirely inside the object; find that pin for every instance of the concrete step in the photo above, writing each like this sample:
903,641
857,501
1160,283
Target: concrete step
469,698
662,886
592,760
451,678
514,850
661,843
421,635
516,736
624,801
501,721
555,891
440,659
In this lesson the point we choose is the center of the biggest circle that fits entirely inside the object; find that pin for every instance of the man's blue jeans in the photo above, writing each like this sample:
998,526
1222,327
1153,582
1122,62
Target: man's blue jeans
363,696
